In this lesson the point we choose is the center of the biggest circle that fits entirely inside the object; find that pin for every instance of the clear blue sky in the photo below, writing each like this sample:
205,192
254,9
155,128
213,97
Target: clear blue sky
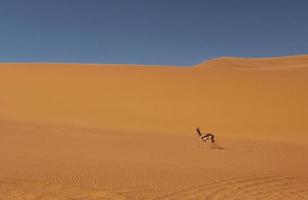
168,32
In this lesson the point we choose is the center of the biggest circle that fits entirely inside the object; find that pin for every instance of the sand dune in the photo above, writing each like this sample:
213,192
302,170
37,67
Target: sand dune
78,131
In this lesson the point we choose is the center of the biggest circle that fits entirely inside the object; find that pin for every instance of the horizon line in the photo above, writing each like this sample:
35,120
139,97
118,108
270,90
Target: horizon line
158,65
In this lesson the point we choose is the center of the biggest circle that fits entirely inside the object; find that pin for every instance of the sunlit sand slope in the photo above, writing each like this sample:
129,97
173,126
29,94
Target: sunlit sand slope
268,99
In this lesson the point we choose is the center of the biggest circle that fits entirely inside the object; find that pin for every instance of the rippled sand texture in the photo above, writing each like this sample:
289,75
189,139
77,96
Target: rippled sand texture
70,131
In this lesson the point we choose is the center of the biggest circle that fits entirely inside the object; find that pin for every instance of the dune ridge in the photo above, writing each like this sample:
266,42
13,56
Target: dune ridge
297,62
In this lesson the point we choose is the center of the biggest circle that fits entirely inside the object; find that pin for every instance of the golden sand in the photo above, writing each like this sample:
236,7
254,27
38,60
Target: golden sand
81,131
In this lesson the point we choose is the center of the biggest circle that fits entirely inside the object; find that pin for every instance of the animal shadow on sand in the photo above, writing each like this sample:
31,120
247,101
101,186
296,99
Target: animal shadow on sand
210,137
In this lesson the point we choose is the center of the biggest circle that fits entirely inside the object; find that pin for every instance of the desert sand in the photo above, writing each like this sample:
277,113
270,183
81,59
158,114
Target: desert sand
93,131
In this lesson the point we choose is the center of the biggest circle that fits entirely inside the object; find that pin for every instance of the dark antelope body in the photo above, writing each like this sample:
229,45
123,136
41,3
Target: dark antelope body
205,137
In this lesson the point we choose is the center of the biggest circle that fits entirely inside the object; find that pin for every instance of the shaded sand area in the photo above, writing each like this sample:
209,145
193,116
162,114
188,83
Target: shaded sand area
70,131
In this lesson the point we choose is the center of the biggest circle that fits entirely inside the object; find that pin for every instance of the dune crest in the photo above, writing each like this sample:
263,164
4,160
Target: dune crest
271,63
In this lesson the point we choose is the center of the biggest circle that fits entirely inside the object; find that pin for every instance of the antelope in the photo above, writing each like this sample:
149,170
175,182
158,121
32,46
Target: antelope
205,137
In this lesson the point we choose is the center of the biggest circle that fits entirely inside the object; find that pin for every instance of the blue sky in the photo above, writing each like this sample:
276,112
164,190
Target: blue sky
165,32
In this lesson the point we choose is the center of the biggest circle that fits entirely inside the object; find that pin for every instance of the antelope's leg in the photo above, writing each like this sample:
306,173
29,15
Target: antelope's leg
213,144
